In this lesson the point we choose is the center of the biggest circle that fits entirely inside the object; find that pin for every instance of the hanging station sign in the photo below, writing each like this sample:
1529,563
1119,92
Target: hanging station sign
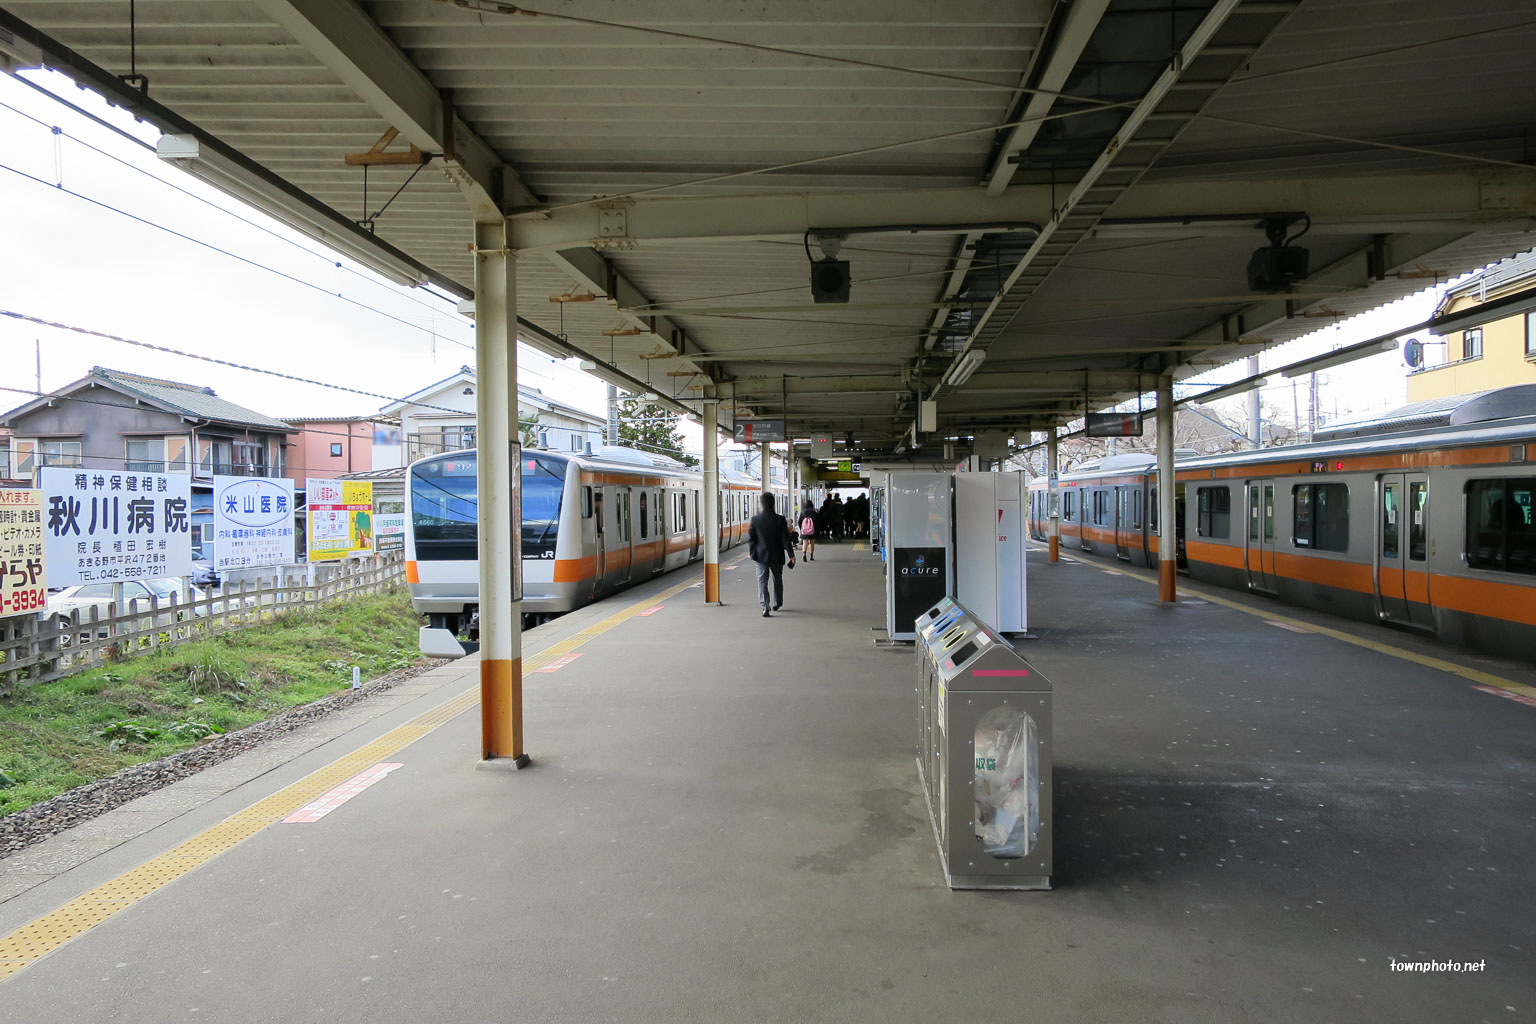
104,527
759,431
1112,424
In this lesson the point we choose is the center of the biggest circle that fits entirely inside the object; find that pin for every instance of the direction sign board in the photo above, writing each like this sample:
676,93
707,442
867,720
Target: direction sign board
759,431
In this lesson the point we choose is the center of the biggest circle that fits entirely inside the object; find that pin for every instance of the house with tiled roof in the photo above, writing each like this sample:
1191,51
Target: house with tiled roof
114,420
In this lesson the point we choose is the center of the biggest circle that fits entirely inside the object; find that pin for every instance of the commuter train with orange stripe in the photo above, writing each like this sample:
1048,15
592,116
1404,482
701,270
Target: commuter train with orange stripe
591,526
1429,527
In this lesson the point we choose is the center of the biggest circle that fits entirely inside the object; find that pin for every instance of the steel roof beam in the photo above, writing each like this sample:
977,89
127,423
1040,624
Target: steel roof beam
1078,21
1357,204
1020,382
343,37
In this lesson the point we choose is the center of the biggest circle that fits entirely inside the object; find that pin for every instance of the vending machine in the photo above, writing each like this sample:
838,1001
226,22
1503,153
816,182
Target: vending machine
919,543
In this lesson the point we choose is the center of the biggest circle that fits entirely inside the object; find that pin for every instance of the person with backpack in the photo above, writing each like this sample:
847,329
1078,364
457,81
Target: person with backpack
808,530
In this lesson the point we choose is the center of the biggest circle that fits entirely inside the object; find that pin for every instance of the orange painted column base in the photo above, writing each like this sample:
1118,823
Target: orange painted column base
1055,549
1167,581
711,583
501,711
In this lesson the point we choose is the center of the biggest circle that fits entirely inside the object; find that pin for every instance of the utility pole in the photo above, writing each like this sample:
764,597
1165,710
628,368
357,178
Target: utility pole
1312,408
1255,427
38,347
613,414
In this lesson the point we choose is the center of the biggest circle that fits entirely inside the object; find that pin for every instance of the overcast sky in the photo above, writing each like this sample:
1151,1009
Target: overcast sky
70,260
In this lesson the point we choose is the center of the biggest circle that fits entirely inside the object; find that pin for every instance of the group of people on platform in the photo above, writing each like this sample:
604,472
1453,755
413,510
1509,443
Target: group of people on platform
771,539
835,520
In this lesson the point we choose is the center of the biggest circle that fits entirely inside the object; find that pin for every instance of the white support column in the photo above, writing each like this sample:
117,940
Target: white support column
711,499
767,475
1053,491
501,639
1167,529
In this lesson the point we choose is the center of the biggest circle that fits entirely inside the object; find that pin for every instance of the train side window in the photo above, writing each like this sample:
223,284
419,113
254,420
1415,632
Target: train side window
1418,524
1136,508
1253,512
645,518
1214,516
1391,519
1321,520
1100,507
1066,505
1501,532
1152,509
586,503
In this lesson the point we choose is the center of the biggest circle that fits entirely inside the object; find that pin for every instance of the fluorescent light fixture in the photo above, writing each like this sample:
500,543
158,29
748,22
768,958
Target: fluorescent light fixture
188,153
960,371
1239,388
1338,357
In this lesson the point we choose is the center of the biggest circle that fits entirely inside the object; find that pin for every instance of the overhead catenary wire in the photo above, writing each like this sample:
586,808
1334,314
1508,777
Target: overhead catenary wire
42,322
232,255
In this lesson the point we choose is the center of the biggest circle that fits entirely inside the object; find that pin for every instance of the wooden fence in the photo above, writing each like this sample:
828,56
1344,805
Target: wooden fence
35,649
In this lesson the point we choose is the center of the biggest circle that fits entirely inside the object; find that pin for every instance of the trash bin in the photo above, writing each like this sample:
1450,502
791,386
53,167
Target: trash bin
984,753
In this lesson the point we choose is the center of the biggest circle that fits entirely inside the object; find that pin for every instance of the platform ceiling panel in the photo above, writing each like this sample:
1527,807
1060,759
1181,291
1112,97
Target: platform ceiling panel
749,102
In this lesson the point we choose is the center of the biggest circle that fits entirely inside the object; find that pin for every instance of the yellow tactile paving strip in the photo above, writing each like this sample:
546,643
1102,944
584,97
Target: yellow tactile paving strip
38,938
1391,650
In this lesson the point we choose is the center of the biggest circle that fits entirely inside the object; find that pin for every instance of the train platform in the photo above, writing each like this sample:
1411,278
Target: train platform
1258,811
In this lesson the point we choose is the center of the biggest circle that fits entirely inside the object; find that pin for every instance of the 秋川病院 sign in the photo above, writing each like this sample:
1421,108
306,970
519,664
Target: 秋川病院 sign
106,526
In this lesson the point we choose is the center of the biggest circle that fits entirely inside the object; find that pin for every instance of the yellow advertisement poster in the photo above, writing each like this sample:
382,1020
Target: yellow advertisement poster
340,518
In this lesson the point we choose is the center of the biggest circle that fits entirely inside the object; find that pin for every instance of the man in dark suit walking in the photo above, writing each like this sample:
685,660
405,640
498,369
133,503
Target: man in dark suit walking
768,542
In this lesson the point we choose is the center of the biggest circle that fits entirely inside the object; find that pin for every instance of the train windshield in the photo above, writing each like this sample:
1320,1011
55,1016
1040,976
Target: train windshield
444,507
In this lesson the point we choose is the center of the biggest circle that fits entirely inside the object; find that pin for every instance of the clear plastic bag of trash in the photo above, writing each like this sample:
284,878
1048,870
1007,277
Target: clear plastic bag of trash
1007,783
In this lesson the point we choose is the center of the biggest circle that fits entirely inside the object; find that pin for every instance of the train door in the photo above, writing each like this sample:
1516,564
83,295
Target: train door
621,551
1123,534
1402,530
1259,555
600,566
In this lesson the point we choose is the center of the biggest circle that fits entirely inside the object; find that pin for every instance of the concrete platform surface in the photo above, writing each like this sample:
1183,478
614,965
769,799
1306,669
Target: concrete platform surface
723,823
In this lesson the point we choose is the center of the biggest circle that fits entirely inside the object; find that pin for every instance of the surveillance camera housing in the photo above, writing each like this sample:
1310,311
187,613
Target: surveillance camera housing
1275,268
830,280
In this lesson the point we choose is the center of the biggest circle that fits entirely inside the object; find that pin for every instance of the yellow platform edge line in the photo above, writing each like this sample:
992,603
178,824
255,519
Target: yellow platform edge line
36,939
1428,661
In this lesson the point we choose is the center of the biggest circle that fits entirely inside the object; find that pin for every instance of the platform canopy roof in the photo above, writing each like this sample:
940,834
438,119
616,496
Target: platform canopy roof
1070,189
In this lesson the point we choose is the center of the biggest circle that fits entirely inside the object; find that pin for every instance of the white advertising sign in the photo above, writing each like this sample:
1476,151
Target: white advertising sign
252,522
102,526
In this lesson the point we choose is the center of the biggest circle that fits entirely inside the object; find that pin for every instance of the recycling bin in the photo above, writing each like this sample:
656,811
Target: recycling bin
984,753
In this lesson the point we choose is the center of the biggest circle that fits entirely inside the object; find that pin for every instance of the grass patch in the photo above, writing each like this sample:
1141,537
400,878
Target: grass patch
61,734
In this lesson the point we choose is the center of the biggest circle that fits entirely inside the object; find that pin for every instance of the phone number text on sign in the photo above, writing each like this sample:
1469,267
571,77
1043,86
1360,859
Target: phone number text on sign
23,583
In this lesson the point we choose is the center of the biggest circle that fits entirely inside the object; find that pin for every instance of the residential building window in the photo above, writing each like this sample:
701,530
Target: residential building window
1501,524
176,454
1472,343
1214,516
59,453
146,455
336,450
1530,334
575,441
250,458
1321,516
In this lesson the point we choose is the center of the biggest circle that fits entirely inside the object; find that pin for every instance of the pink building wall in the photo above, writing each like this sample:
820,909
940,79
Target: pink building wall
312,451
